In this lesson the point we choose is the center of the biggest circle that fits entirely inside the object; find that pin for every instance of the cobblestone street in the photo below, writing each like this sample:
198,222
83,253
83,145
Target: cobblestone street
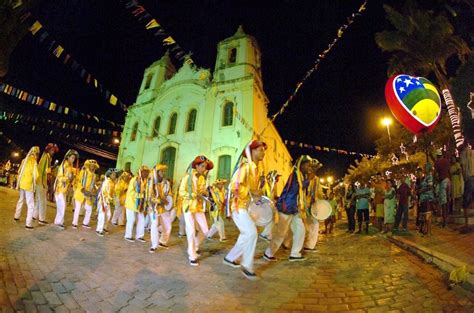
75,271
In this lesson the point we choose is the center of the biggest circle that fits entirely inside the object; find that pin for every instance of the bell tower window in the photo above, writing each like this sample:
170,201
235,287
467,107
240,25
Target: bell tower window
232,55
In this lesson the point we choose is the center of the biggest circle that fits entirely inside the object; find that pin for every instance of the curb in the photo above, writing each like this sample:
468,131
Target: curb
444,262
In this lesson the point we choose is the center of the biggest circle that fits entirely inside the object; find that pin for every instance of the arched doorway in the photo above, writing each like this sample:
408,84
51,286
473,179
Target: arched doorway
168,157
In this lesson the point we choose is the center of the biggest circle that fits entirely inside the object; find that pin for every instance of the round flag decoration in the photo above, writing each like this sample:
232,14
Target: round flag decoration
414,101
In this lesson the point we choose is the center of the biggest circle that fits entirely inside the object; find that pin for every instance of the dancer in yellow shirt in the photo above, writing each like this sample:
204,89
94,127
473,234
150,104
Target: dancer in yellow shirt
26,184
246,184
192,191
85,192
64,180
44,170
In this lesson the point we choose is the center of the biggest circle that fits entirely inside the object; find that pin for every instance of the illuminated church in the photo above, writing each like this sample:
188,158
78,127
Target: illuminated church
182,113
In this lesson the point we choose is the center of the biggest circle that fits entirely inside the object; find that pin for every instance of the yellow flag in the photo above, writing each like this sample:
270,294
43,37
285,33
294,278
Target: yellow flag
35,27
95,83
168,41
113,100
66,110
152,24
57,52
52,106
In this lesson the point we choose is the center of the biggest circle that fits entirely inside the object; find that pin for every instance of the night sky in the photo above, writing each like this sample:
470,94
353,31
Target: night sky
339,106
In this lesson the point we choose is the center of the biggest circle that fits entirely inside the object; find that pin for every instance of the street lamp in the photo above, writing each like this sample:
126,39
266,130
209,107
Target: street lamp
15,154
330,179
116,141
321,180
387,121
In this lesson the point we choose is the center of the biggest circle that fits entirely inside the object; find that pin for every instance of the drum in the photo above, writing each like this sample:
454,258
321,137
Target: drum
169,206
321,210
261,212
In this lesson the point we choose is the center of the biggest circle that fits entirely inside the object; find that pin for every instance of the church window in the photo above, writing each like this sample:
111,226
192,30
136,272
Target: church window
223,169
232,55
228,114
191,124
156,127
168,157
148,81
172,126
133,135
128,166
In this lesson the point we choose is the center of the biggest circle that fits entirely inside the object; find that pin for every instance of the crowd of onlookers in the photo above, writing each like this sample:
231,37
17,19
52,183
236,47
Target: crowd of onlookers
442,186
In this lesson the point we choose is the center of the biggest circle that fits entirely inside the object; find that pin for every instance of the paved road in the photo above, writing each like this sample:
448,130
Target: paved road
75,271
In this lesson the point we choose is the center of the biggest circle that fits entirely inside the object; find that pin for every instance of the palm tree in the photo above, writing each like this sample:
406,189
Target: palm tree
422,43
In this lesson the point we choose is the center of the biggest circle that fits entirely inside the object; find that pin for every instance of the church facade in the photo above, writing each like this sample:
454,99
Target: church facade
180,114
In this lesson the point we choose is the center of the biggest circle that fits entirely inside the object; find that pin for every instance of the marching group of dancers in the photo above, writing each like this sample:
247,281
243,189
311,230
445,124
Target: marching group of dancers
145,201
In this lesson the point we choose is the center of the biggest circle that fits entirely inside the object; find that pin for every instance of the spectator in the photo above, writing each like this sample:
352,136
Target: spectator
442,170
378,202
467,165
389,204
403,195
425,198
350,208
457,184
362,206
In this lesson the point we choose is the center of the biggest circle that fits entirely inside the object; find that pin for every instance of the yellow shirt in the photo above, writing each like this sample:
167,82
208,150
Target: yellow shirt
44,168
192,203
157,192
133,195
106,194
245,179
120,191
85,180
29,174
64,178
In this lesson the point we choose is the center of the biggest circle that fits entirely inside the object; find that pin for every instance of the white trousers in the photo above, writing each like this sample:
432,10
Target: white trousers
60,208
40,203
312,227
245,245
103,218
164,220
30,204
77,210
297,227
267,231
140,230
194,239
217,227
119,213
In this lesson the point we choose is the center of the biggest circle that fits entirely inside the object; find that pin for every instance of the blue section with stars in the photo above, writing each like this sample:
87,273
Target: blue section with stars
404,84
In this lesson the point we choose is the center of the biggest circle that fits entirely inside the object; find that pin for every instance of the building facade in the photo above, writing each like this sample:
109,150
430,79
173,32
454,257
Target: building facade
180,114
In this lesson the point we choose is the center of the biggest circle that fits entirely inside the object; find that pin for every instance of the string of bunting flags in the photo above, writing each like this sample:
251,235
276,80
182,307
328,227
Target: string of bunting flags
51,106
69,126
58,134
326,149
340,33
139,12
247,125
58,51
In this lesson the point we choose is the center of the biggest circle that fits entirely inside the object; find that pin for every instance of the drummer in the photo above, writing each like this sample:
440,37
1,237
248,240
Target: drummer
313,192
291,206
246,184
271,193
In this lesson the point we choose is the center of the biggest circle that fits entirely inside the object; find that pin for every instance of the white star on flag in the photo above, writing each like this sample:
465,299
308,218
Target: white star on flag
407,82
399,80
402,89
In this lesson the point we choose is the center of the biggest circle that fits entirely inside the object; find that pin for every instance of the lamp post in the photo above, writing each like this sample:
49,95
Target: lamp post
387,121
